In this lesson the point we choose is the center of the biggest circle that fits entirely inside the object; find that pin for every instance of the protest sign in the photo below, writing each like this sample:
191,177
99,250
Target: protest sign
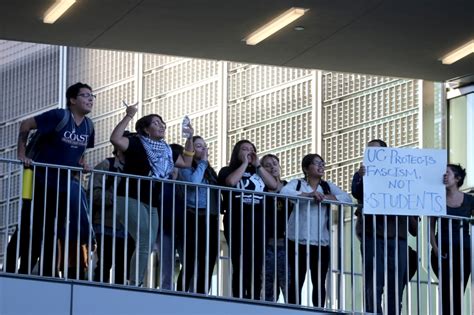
404,181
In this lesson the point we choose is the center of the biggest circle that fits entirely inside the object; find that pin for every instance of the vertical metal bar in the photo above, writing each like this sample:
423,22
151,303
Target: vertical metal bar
297,230
397,267
43,240
375,267
78,239
287,277
385,263
440,269
114,234
461,260
161,233
218,244
352,234
231,278
208,268
68,212
308,250
173,219
316,286
102,229
5,243
185,238
276,288
137,243
428,263
19,229
56,218
450,256
90,229
471,228
342,300
196,236
151,238
241,243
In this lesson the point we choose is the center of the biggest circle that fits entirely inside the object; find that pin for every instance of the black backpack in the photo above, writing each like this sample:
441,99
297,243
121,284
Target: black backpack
37,140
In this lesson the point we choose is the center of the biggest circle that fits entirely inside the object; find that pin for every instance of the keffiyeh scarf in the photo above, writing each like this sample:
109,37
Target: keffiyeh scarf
159,156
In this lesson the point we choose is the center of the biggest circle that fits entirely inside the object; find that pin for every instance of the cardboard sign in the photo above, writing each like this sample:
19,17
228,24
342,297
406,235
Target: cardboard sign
404,181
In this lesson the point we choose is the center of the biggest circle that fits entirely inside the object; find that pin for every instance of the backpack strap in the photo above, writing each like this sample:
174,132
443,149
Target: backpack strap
64,120
325,186
90,125
298,186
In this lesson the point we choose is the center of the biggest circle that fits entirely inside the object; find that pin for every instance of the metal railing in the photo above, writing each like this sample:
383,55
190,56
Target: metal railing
74,229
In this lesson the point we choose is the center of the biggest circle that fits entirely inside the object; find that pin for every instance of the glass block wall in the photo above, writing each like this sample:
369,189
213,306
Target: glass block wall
358,108
286,111
29,84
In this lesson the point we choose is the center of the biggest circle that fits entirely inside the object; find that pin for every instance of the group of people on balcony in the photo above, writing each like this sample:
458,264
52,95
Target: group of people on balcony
286,235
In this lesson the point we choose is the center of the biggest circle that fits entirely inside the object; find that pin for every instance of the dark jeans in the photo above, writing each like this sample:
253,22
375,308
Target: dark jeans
246,255
277,275
194,251
455,277
106,258
374,303
315,262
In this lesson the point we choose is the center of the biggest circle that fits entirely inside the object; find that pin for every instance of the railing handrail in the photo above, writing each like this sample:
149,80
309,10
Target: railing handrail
216,187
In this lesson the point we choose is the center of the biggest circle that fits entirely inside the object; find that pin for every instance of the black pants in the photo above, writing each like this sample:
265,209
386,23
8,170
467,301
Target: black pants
455,277
318,280
44,215
47,227
106,258
195,251
250,251
23,236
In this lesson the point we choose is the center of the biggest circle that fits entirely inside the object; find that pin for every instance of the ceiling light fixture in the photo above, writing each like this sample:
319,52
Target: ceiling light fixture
275,25
458,53
56,10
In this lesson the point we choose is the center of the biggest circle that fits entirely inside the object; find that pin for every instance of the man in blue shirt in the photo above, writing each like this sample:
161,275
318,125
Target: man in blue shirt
65,135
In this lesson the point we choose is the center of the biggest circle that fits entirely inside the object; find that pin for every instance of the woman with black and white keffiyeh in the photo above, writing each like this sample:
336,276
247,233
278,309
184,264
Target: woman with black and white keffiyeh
138,208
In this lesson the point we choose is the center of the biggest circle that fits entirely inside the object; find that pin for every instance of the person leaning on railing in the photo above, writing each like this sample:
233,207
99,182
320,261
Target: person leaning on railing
243,219
198,212
458,204
65,135
277,275
147,154
316,231
110,243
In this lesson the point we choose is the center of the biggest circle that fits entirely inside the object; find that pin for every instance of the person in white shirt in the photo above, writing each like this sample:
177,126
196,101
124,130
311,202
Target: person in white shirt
309,223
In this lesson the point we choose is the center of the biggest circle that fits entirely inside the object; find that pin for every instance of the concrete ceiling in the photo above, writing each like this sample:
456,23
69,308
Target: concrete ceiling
403,38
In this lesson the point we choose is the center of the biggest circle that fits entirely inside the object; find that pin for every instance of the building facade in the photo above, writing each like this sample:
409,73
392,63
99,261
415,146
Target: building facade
286,111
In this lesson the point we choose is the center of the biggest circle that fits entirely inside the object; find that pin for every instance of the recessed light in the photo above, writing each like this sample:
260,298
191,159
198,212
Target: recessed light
458,53
56,10
275,25
299,28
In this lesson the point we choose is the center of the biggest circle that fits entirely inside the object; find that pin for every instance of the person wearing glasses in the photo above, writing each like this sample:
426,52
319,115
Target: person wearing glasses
64,135
141,202
453,236
312,228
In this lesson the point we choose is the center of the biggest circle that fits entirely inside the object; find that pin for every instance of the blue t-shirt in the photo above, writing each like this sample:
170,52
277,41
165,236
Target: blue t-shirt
66,146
